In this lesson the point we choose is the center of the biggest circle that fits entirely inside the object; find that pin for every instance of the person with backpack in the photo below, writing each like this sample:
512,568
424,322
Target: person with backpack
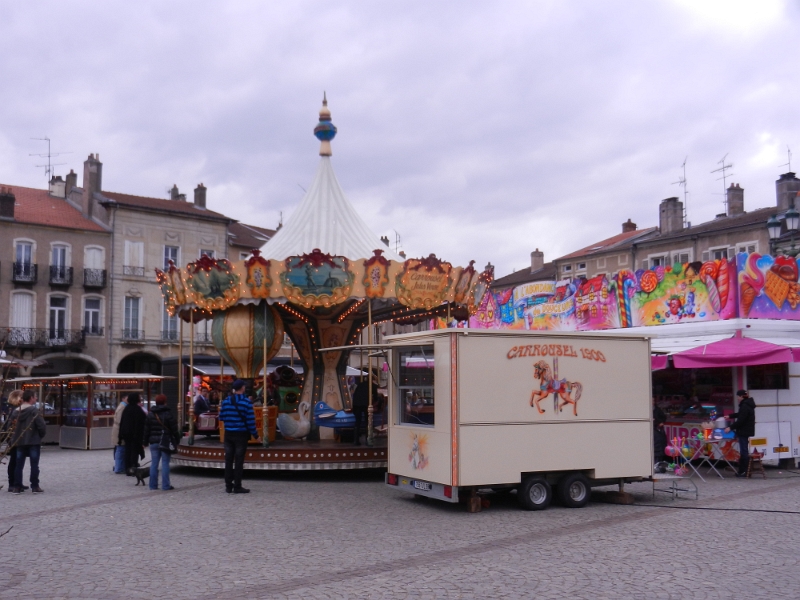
160,428
237,415
29,430
745,428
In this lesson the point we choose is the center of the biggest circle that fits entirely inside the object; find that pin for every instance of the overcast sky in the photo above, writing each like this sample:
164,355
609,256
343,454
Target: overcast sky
476,130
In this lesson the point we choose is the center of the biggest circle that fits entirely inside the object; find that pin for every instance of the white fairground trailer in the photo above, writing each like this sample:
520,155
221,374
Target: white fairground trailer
545,413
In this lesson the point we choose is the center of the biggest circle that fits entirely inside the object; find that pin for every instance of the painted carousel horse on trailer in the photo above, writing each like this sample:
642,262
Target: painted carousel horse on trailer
568,391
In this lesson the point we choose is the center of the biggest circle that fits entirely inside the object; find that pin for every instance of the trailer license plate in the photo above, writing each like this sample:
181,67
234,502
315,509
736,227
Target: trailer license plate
422,485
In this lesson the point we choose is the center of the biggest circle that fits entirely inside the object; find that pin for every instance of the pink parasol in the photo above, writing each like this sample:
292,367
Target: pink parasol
733,352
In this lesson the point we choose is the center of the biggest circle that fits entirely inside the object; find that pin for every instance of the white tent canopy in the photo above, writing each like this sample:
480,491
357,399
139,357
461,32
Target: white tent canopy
325,219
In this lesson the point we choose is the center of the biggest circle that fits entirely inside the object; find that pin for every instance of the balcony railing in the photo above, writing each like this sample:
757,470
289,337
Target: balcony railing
133,335
94,278
135,271
23,337
203,338
169,336
24,272
93,331
60,275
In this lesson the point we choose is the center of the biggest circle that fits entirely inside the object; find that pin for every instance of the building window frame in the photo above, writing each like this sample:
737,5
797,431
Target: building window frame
172,253
93,328
678,254
132,309
210,252
53,329
750,247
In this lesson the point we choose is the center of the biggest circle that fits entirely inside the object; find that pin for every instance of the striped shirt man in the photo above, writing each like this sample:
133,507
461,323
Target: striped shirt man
236,412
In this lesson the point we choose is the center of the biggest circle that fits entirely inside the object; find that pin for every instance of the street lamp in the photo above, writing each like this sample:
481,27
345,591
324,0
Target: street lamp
792,219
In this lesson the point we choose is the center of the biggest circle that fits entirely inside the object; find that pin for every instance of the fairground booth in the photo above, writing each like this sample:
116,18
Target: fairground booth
79,409
715,327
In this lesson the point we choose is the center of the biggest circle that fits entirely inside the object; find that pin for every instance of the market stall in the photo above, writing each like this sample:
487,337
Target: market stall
79,408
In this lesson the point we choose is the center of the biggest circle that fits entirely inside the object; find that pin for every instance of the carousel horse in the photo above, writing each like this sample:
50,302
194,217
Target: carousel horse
568,391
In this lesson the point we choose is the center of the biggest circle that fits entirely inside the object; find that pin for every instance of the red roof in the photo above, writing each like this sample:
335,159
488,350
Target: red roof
38,207
163,205
608,243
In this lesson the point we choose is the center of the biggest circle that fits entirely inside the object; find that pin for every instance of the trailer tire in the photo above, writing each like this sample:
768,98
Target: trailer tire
535,493
574,490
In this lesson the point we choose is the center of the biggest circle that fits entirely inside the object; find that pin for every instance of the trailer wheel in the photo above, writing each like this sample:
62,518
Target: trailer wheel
535,493
574,490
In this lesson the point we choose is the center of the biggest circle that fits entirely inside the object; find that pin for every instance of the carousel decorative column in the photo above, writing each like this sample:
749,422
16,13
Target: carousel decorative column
191,377
370,408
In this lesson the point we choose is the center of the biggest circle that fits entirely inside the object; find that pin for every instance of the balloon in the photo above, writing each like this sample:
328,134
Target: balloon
238,335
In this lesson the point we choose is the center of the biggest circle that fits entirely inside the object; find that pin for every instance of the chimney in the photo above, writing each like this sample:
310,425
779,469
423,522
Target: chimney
58,187
7,203
92,182
385,240
199,196
72,182
735,200
628,226
174,194
785,190
537,260
670,215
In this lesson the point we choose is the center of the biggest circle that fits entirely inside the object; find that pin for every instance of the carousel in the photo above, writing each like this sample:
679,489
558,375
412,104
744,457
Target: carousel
325,280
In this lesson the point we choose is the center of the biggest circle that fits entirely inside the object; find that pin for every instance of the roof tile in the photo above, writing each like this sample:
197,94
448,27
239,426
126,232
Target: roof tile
39,207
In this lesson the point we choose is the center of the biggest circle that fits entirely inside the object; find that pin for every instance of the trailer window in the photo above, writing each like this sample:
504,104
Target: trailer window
415,385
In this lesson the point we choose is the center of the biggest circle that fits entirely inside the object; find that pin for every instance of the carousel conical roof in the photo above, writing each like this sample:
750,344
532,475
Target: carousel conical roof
325,218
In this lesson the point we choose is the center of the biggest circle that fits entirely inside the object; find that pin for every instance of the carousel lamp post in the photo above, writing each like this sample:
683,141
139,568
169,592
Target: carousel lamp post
264,427
181,402
370,409
191,377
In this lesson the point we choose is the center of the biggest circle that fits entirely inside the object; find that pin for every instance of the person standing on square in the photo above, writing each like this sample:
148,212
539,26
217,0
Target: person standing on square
119,449
237,415
745,428
29,431
14,400
159,420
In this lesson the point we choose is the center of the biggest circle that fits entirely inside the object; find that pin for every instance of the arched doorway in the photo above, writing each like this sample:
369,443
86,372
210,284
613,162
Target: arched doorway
140,362
63,366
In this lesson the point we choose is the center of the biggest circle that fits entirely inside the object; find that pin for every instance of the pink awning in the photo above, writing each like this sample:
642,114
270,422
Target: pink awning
733,352
658,361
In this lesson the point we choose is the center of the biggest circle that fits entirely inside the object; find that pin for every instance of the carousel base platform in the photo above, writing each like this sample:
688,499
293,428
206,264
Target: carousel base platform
208,453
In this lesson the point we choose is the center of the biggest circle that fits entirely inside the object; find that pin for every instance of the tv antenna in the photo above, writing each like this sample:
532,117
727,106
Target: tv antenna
682,182
48,168
396,240
724,179
789,163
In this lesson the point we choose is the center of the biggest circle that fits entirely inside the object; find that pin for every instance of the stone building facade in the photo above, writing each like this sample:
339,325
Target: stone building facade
53,280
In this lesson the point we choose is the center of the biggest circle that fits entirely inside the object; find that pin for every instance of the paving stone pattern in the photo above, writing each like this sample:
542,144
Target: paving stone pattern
95,535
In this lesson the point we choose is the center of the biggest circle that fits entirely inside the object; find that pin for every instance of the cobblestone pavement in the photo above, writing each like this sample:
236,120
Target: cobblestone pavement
93,534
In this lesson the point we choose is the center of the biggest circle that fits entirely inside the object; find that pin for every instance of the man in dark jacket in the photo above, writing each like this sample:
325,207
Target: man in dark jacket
745,428
361,407
160,419
131,432
29,431
236,413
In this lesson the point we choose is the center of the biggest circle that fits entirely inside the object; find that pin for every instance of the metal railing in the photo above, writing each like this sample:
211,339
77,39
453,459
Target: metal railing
24,272
94,278
93,331
133,335
24,337
169,336
201,337
60,275
135,271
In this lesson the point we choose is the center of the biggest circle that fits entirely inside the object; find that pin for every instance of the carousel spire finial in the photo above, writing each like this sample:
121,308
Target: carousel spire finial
325,131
